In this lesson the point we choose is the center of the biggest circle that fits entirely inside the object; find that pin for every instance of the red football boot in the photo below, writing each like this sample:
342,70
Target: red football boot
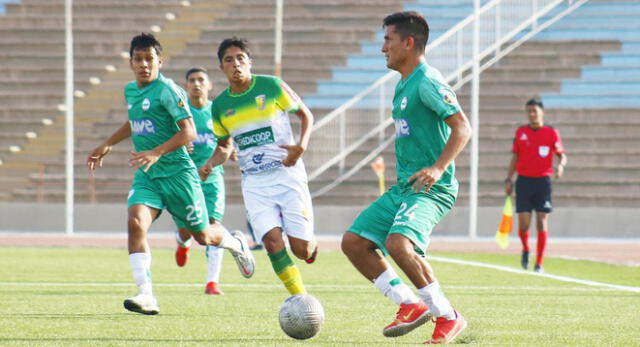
409,317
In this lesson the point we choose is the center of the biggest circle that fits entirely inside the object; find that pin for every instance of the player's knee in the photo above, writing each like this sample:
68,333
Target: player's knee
201,238
135,225
350,243
397,244
303,251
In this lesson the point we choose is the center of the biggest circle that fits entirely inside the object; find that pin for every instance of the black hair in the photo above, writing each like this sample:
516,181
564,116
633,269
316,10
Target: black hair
410,23
534,102
194,70
243,44
145,40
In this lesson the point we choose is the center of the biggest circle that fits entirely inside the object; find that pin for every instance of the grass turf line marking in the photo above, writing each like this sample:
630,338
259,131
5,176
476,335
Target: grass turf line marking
316,286
522,272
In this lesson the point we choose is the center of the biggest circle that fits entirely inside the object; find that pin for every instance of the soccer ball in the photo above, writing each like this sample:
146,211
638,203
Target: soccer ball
301,316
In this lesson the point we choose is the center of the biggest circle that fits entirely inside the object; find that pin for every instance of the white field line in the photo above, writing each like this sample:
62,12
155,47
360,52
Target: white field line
312,286
530,273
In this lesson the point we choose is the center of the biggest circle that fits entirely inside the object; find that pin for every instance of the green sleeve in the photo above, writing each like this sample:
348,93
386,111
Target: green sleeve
439,98
174,100
219,131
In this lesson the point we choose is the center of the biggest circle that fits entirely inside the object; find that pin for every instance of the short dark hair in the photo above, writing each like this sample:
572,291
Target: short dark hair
241,43
410,23
194,70
144,40
534,102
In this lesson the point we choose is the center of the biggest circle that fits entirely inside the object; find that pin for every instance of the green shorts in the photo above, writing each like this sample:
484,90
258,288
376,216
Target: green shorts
405,212
181,195
213,191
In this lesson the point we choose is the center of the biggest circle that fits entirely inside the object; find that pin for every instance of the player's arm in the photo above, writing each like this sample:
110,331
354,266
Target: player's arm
97,154
460,135
223,151
508,185
296,151
186,134
561,165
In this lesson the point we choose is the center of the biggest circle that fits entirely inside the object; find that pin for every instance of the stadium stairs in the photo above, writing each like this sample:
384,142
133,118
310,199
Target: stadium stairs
317,34
583,66
337,43
32,79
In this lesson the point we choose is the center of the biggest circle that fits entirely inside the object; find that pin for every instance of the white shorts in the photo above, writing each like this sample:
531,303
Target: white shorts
286,205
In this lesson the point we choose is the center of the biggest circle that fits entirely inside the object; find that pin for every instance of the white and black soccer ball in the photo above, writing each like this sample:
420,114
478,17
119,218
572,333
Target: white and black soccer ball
301,316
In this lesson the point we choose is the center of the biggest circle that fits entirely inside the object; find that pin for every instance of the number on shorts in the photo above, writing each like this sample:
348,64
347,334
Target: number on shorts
404,212
195,213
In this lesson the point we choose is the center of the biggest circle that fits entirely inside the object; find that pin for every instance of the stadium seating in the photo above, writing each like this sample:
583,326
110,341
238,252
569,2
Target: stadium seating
331,51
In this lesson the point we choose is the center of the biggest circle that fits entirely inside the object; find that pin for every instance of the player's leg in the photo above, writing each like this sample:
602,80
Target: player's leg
524,205
360,243
281,261
186,203
297,219
214,265
407,244
543,207
183,241
145,205
214,197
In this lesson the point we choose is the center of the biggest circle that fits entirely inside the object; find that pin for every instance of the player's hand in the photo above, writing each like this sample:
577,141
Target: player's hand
190,147
205,171
94,160
234,155
508,187
295,152
426,177
560,171
144,159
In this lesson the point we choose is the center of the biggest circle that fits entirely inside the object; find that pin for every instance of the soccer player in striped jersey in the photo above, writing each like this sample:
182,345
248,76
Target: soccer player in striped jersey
160,125
253,111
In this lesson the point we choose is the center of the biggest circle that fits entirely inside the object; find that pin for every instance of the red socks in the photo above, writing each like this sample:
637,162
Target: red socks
542,243
524,237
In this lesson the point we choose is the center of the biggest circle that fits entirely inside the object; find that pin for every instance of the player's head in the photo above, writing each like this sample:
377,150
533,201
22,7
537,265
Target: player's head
535,111
198,82
405,33
235,59
145,54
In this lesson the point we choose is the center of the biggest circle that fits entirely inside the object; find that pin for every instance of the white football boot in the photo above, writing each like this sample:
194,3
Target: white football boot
142,303
244,259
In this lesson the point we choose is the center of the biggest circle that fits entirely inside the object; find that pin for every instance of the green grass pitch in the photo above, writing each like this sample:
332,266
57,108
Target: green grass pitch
73,297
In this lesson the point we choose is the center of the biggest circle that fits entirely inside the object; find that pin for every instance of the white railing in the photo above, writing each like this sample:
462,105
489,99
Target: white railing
338,135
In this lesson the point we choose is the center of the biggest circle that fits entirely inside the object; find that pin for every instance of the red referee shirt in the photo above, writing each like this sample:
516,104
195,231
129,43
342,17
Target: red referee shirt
535,148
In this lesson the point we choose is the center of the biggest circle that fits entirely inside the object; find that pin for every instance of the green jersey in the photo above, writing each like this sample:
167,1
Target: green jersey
154,111
421,104
205,144
258,121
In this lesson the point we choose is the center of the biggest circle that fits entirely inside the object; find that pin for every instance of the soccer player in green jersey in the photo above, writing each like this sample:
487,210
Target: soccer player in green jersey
160,125
198,88
431,130
254,112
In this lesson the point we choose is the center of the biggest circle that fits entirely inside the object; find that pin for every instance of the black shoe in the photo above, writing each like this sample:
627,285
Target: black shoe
538,269
524,261
257,247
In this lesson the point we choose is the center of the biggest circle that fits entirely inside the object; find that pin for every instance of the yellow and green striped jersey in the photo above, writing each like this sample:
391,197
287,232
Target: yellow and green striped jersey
258,122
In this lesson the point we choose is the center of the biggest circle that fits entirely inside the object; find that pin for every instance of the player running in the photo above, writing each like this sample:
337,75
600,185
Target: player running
431,130
198,87
253,111
160,125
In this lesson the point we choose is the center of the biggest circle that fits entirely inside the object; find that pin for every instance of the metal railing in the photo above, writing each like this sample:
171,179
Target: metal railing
504,25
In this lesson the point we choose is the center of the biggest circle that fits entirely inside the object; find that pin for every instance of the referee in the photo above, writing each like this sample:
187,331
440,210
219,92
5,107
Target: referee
533,148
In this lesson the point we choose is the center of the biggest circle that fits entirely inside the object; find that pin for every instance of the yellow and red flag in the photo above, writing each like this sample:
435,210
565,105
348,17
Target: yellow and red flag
378,167
506,224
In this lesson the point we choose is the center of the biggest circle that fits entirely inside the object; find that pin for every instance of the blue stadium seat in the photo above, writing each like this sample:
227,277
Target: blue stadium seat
2,2
368,65
616,81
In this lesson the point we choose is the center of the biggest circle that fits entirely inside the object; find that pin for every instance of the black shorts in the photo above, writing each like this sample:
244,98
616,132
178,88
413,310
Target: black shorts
533,193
